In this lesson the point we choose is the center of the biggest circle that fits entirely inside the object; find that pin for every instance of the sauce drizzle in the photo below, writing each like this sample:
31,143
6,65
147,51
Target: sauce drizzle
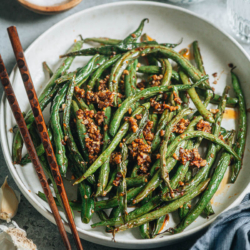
166,220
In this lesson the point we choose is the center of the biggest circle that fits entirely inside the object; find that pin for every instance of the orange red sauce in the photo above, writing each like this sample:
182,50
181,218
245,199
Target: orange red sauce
230,114
187,54
165,223
222,188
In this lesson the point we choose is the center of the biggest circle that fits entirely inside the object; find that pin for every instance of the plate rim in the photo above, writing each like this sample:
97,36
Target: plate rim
41,209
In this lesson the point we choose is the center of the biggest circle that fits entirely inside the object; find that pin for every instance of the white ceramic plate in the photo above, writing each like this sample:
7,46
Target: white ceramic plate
167,24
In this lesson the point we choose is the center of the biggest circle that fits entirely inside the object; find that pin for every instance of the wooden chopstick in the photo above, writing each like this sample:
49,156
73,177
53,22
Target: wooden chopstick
31,149
23,67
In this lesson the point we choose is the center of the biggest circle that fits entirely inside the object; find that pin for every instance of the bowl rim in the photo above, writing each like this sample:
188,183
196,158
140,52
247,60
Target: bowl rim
49,9
47,214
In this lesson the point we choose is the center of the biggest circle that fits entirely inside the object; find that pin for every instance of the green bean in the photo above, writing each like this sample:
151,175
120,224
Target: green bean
103,40
211,152
192,72
193,123
186,207
159,225
146,93
164,146
185,99
188,176
102,215
167,71
231,101
182,169
17,146
155,201
114,212
81,130
163,210
81,104
136,181
105,168
110,49
166,195
128,81
194,134
48,69
34,136
150,205
183,211
241,135
144,229
182,173
81,74
96,75
145,38
85,193
209,210
122,63
29,119
17,143
179,176
154,70
209,192
58,137
154,119
160,126
134,77
88,203
135,171
210,158
198,58
111,41
143,122
200,66
113,202
124,45
76,157
110,183
122,187
134,35
156,179
172,100
113,215
150,69
116,140
64,66
39,150
150,59
196,100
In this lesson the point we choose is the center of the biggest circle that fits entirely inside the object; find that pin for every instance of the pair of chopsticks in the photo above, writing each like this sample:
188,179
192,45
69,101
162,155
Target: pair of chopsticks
41,126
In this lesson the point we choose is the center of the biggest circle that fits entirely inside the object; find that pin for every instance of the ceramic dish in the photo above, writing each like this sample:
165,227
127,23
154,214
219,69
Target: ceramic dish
167,24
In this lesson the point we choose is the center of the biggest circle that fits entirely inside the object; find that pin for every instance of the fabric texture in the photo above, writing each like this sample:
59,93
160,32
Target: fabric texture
230,231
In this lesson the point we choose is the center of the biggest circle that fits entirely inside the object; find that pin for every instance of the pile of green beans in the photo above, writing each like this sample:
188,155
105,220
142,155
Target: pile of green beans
122,126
